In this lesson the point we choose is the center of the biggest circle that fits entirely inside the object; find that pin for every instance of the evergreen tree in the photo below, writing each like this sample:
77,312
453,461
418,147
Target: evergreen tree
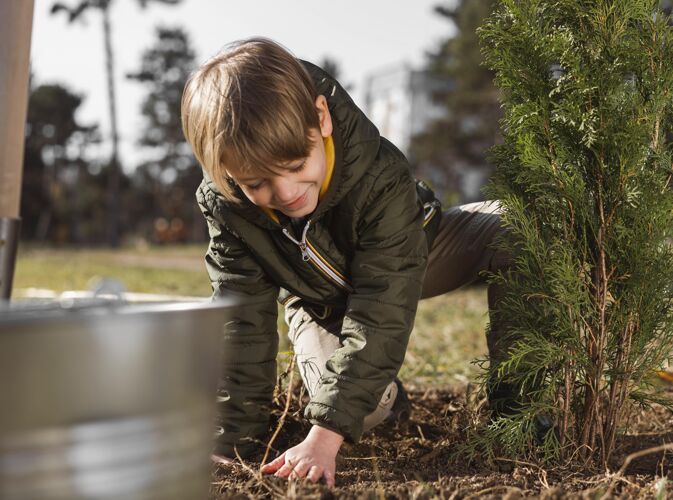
165,183
584,176
115,176
455,147
53,181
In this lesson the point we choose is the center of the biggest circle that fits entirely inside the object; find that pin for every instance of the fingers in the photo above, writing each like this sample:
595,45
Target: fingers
300,470
329,478
314,474
285,467
293,470
285,470
274,465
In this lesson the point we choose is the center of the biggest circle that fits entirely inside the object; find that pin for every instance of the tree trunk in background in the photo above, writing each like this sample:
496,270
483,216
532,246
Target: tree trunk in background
16,20
113,203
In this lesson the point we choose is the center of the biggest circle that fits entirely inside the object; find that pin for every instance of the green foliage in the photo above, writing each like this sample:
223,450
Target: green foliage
56,183
584,179
51,116
164,70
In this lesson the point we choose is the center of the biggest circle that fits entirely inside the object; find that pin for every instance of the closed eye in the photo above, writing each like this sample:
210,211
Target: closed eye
299,168
293,170
255,187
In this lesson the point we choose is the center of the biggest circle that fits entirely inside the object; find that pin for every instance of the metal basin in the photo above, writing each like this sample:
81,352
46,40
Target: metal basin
102,400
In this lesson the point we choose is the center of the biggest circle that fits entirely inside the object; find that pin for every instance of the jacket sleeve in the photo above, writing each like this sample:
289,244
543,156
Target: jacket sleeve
249,340
387,273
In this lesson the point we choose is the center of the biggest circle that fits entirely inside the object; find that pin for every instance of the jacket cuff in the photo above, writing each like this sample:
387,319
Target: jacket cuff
335,420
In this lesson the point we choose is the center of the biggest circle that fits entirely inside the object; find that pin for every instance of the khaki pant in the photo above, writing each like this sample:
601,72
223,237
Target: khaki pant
460,252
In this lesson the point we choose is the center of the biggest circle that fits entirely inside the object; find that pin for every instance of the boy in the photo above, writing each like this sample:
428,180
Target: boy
307,204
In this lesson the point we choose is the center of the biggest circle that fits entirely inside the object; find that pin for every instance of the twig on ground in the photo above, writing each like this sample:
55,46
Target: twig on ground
259,477
508,489
627,461
281,421
302,391
420,431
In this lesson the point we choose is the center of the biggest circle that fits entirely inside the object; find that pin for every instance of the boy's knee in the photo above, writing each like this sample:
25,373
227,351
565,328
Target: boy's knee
501,260
312,319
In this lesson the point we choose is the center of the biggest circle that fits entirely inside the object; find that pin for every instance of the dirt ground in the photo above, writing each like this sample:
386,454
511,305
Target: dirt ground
414,460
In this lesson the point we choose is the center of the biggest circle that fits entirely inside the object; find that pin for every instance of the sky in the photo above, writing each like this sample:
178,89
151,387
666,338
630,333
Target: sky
363,36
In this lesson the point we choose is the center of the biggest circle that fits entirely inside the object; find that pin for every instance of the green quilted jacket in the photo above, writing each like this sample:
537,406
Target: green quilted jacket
363,253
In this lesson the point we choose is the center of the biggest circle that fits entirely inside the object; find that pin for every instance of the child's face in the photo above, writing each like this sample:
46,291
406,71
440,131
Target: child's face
295,187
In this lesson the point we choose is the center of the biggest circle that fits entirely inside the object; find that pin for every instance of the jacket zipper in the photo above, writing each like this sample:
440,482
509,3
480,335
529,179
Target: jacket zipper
430,209
310,254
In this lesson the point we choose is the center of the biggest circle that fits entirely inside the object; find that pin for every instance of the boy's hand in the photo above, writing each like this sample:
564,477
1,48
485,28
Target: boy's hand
313,458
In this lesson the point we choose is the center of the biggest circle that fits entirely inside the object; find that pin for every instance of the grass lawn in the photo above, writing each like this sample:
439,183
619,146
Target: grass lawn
448,334
177,270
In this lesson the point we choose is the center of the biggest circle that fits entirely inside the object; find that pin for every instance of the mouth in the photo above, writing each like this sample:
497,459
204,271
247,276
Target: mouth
297,203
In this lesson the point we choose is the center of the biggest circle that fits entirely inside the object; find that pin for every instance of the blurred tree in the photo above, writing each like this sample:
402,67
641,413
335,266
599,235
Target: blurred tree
164,69
54,148
166,182
455,147
333,68
115,175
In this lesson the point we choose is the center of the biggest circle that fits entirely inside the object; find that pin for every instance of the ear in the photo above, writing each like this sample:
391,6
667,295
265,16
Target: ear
324,116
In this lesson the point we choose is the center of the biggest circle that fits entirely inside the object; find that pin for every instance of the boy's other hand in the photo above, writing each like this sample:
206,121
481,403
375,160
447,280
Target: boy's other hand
314,458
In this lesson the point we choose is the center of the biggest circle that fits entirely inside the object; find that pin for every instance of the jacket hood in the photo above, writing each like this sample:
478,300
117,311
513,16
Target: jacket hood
356,145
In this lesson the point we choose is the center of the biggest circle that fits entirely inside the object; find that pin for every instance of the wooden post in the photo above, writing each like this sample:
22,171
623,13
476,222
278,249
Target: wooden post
16,23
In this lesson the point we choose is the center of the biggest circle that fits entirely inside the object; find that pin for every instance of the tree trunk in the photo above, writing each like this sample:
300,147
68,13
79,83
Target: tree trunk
114,178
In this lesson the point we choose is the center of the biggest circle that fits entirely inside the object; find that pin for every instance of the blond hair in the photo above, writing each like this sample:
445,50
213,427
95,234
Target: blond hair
250,107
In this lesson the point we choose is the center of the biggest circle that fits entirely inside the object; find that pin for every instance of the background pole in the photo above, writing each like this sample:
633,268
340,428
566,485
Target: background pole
16,22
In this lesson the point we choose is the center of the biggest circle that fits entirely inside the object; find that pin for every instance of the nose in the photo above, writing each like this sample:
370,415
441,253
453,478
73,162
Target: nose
284,190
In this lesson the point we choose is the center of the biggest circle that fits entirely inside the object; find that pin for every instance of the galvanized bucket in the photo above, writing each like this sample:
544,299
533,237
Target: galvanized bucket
106,400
